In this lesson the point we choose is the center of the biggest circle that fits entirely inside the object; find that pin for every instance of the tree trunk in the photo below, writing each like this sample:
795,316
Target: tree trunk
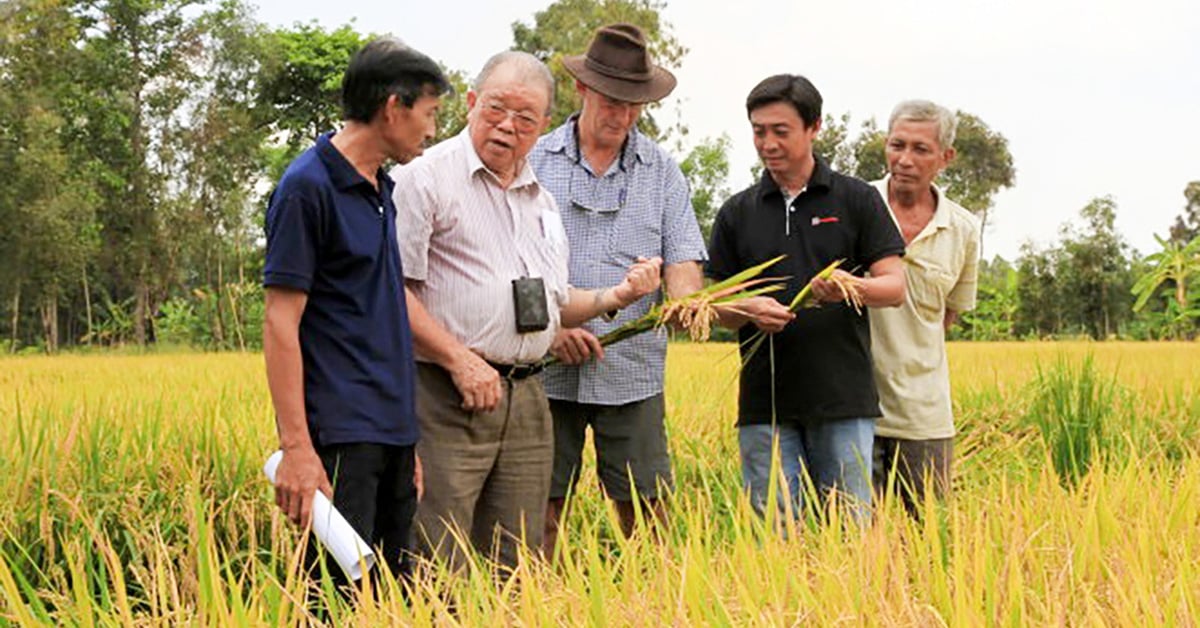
87,306
982,229
49,310
218,316
16,317
140,310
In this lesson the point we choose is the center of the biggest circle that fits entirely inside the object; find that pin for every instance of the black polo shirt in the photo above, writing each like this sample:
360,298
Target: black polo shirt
822,359
332,234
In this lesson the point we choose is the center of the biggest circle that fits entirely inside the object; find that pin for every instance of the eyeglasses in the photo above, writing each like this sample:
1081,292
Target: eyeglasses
524,122
591,206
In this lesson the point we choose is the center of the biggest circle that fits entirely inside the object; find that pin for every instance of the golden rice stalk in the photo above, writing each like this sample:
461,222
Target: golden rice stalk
696,312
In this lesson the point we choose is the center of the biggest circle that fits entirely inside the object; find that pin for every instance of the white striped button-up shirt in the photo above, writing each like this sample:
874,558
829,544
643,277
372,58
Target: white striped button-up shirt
464,239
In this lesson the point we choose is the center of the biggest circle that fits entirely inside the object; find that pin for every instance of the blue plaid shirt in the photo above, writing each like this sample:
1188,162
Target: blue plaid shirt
641,207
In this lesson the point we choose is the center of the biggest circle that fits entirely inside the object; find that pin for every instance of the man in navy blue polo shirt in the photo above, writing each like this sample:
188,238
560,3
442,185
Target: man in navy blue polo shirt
811,388
336,335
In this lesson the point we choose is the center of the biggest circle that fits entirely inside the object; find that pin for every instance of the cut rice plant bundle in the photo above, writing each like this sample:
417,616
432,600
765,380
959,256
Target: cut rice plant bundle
696,312
851,291
851,295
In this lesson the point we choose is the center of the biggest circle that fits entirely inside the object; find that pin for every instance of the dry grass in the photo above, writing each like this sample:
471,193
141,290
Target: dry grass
133,496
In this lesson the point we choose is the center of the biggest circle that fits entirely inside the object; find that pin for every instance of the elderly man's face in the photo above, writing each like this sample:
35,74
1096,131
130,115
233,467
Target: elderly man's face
914,155
407,130
606,121
506,116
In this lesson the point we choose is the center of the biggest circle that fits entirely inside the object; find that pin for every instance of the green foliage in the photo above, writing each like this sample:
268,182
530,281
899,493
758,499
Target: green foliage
1187,224
995,312
707,169
1071,405
452,113
302,81
565,28
982,167
1173,265
1095,271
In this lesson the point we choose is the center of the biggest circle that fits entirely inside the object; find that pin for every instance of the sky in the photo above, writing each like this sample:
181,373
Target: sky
1096,97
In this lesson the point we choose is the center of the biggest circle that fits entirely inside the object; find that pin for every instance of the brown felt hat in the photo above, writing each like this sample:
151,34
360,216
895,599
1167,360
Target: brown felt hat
618,65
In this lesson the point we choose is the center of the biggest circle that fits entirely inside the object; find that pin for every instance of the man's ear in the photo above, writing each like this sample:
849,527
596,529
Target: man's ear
948,155
472,98
388,112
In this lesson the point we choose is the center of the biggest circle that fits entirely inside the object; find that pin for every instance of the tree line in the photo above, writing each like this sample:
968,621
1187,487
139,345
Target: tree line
139,139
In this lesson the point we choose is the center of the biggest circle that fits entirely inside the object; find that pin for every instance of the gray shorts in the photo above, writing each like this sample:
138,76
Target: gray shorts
912,461
630,440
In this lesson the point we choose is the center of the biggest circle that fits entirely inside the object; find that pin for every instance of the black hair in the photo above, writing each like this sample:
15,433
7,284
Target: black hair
793,89
386,67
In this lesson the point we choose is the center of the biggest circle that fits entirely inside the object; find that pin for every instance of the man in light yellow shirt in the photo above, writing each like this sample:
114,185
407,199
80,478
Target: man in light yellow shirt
915,436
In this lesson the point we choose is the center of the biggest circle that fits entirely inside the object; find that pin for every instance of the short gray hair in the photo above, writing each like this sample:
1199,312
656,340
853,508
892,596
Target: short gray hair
927,111
527,67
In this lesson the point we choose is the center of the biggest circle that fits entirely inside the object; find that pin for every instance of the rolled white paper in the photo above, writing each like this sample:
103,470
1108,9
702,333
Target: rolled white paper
332,530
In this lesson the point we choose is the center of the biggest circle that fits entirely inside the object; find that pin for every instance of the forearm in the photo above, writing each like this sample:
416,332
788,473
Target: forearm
949,319
731,320
430,339
884,291
584,305
285,379
682,279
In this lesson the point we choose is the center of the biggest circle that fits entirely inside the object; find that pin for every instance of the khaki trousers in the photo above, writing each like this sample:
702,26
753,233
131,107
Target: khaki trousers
487,474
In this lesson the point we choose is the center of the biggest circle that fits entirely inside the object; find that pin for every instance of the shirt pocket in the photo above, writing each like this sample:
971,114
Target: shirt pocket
928,285
633,236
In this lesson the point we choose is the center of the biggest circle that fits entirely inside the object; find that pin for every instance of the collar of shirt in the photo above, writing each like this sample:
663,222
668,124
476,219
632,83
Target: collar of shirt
565,140
342,173
820,179
941,213
525,176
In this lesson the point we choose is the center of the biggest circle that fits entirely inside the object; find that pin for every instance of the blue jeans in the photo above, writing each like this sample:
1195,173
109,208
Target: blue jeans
836,454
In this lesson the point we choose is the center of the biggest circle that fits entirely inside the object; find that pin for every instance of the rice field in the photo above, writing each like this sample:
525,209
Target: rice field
133,495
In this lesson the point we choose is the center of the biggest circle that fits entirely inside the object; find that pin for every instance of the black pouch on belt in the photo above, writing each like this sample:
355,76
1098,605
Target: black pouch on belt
529,301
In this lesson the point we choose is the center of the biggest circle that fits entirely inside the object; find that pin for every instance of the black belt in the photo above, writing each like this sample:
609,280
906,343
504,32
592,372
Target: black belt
517,371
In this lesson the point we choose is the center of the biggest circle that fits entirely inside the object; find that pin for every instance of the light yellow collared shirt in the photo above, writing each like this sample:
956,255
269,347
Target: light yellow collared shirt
908,343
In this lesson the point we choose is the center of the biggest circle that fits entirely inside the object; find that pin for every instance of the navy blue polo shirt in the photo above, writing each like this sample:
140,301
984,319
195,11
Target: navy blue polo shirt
332,234
822,359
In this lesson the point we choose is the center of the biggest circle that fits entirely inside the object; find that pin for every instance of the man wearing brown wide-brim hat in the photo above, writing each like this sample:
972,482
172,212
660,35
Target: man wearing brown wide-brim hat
622,197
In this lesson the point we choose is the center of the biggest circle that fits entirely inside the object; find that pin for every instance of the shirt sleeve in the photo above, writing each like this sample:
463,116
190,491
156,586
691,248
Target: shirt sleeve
962,296
878,238
415,211
682,240
293,239
723,259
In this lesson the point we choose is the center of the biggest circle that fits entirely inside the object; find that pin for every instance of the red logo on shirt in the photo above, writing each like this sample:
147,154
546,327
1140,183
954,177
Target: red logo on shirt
821,220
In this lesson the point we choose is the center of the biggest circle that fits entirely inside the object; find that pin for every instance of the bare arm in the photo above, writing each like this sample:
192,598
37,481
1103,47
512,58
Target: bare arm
476,381
949,319
884,288
642,279
682,279
300,473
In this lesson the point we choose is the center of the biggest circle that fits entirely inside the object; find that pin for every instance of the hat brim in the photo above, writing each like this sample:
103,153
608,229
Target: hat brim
660,85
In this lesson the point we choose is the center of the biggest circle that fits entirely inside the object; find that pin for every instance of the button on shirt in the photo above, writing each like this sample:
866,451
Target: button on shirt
639,207
909,342
464,239
331,234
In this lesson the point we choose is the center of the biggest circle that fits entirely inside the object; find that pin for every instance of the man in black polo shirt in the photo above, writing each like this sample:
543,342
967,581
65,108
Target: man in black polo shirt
811,386
336,336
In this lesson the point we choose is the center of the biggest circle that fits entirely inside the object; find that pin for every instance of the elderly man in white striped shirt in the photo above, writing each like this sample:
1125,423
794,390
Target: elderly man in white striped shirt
485,261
